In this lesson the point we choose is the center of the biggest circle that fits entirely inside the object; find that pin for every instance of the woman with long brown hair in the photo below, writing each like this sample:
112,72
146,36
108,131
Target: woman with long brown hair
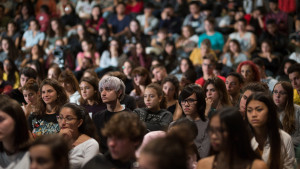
141,78
289,113
90,96
52,98
217,96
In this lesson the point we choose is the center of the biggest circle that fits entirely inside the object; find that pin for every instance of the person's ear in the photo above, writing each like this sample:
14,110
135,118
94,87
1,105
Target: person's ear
80,123
160,98
120,93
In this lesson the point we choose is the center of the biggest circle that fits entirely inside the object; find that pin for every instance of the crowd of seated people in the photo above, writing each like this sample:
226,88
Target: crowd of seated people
179,84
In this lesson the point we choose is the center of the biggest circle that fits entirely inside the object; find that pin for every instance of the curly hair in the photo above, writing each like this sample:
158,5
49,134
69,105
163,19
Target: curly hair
132,128
254,69
62,97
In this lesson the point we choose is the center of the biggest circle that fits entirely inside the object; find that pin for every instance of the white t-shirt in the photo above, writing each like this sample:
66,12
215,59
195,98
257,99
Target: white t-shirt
16,161
83,153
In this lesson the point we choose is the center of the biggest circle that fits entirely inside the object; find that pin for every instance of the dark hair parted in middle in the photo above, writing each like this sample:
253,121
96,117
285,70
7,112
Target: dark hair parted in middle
237,142
272,127
87,127
201,104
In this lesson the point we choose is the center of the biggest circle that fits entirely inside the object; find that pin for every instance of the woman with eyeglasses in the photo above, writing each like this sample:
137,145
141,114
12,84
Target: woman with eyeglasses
289,113
192,101
52,98
230,143
79,131
273,145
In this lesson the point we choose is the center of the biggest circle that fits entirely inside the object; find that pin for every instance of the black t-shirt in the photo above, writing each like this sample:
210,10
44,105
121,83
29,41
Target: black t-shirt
100,119
107,162
129,102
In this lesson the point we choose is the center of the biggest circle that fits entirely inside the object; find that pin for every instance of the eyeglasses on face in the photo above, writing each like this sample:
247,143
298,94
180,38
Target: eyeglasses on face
67,119
189,101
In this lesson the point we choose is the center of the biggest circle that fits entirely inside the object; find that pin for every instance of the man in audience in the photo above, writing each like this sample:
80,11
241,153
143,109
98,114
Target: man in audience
147,20
279,40
234,83
169,20
119,22
124,132
208,66
263,76
246,39
280,17
26,73
294,76
112,90
128,101
159,73
195,19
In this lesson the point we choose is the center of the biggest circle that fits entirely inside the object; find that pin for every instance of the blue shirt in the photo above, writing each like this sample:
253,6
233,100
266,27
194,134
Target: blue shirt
33,40
118,26
216,40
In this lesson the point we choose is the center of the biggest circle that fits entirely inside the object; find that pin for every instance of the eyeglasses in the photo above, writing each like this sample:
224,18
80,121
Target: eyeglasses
280,93
67,119
189,101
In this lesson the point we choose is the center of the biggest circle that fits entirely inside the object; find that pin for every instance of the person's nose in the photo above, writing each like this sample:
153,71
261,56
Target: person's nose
33,165
111,142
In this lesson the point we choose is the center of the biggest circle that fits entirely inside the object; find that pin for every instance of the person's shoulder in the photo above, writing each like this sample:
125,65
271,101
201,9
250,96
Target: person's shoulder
222,77
139,110
218,34
259,164
100,114
98,161
285,137
164,111
127,110
206,163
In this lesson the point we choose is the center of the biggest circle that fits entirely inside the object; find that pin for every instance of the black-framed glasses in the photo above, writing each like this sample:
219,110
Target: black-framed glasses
189,101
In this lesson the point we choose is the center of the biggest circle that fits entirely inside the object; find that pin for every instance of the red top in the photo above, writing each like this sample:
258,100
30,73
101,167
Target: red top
94,24
137,8
201,81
